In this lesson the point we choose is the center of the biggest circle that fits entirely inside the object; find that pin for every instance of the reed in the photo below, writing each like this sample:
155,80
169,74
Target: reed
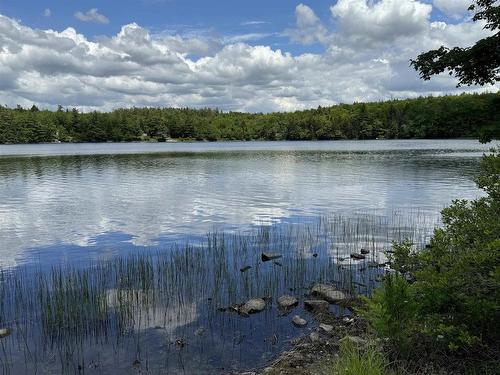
72,308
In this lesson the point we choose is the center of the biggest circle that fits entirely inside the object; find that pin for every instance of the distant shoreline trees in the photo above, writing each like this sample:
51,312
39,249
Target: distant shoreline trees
466,115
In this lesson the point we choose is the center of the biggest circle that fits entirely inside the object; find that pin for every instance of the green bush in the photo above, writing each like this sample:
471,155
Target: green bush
451,302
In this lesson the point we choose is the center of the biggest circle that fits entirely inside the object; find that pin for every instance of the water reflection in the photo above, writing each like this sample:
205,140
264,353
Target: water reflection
69,200
169,311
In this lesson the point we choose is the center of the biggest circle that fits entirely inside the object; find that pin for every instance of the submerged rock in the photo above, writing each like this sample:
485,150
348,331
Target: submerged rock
298,321
245,269
357,256
316,304
5,332
200,331
328,293
266,257
253,306
365,251
287,302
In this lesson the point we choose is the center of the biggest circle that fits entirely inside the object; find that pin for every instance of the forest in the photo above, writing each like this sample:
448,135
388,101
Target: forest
466,115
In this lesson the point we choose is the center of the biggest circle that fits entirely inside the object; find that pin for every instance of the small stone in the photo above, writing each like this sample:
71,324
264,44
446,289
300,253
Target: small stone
328,293
315,255
314,337
278,264
348,320
253,306
298,321
357,256
287,302
326,328
266,257
365,251
316,304
245,269
180,343
5,332
136,363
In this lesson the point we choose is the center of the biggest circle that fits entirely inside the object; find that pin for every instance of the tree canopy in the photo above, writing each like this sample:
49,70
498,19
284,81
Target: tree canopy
474,116
478,64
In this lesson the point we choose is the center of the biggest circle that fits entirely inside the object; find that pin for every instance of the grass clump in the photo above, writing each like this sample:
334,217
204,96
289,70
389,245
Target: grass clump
356,360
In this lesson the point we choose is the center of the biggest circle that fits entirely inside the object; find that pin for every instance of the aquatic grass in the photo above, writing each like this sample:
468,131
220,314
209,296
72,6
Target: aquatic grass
117,301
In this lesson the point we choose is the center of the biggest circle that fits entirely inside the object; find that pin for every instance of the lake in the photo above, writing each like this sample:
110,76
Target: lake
184,218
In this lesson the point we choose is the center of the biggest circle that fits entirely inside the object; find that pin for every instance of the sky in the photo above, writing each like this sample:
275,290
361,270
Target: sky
256,56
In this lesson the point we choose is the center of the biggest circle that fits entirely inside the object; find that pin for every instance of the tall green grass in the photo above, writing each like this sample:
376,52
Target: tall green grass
356,360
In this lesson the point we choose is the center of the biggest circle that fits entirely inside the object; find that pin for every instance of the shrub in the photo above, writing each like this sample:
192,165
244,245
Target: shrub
452,303
391,313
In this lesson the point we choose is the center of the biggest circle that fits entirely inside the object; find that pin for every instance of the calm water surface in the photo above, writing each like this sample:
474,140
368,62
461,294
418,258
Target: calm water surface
79,204
145,193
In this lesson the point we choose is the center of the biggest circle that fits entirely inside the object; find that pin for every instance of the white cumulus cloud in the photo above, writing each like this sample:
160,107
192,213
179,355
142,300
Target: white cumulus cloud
366,58
453,8
92,15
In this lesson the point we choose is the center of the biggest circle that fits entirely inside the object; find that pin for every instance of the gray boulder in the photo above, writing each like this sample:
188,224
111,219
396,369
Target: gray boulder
328,293
253,306
287,302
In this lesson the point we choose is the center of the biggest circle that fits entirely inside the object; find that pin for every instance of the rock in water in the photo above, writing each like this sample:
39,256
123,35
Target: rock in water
298,321
5,332
287,302
200,331
357,256
266,257
365,251
328,293
316,304
253,306
245,269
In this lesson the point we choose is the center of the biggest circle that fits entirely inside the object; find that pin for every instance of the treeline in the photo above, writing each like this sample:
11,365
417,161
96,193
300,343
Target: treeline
466,115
